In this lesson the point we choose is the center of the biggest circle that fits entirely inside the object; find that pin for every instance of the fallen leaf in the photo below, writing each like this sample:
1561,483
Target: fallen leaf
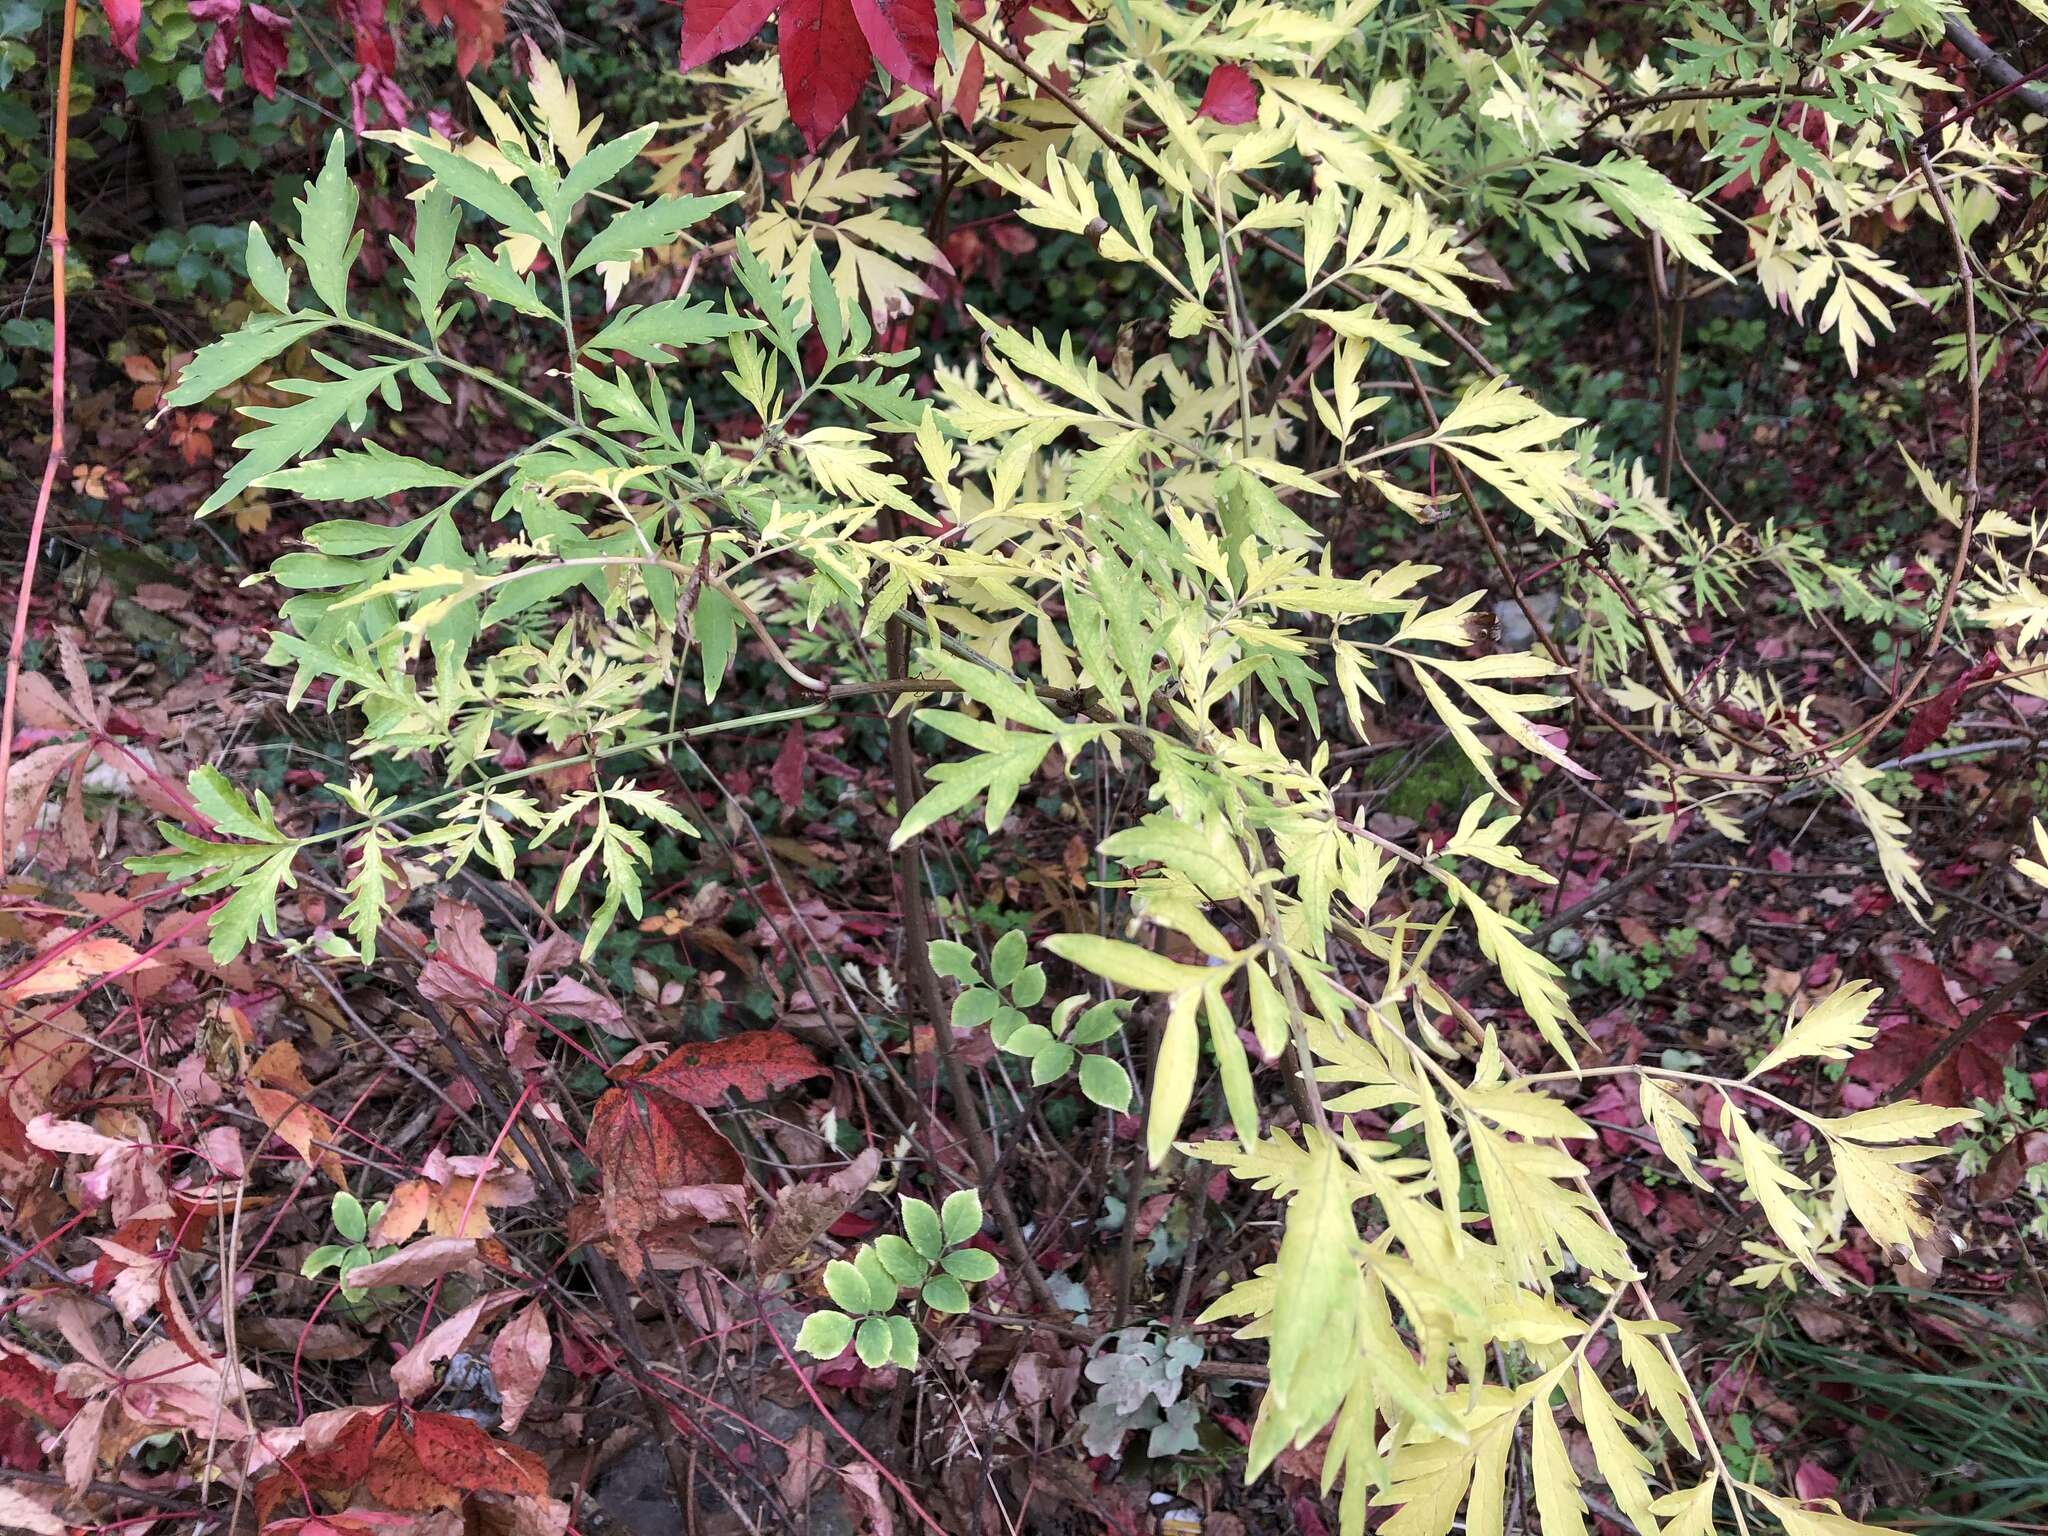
20,1512
72,962
1974,1070
786,778
519,1359
454,1197
2007,1170
1931,721
463,970
866,1486
644,1145
804,1211
420,1264
752,1065
571,998
807,1462
413,1372
461,1455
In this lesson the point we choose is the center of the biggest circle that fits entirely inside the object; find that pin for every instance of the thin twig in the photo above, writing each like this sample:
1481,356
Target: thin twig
59,242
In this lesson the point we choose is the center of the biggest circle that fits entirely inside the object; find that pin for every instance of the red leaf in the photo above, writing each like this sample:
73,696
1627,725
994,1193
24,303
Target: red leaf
464,967
904,35
376,49
262,34
1023,18
31,1386
1974,1070
2007,1170
124,21
214,62
752,1065
431,1463
1811,1480
325,1464
967,94
265,43
479,28
712,27
645,1144
1931,721
1231,98
786,778
824,64
454,1451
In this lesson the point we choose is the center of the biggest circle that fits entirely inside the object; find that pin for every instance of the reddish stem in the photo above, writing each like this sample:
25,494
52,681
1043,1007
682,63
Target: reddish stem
59,241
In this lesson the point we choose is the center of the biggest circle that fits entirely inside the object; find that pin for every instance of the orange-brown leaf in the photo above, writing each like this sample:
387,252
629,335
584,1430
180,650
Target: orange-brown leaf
752,1066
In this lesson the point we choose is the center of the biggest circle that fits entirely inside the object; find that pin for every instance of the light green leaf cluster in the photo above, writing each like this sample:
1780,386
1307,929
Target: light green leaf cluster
931,1260
1055,1048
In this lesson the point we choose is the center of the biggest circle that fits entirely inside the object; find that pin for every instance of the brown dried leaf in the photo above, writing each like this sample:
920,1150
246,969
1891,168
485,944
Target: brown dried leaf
519,1359
806,1210
421,1264
2007,1170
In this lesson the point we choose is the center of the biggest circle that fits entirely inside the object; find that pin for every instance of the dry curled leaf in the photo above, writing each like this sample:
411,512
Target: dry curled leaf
805,1210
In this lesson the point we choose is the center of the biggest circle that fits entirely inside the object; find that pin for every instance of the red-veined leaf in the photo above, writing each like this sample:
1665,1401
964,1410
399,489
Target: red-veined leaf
824,64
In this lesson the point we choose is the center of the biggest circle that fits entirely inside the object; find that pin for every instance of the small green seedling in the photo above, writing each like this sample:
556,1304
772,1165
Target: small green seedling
929,1260
353,1224
1052,1048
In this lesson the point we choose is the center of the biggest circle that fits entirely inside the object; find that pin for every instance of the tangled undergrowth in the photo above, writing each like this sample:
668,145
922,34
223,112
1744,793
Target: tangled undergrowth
999,815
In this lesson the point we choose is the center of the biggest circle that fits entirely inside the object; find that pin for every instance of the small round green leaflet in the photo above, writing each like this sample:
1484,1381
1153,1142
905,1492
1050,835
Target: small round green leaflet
921,1226
1106,1083
347,1212
961,1215
847,1286
942,1293
970,1266
874,1342
825,1335
1006,963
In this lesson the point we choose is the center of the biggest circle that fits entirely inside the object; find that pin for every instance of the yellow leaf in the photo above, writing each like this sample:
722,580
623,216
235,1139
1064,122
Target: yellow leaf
1658,1379
1908,1120
1668,1116
1317,1270
1689,1511
1893,1204
1558,1504
1801,1520
1770,1182
1173,1074
1833,1029
1621,1461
